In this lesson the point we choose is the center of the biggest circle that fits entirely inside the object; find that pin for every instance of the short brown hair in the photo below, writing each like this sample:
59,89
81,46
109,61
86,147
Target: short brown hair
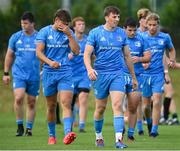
143,12
63,15
111,9
79,18
153,16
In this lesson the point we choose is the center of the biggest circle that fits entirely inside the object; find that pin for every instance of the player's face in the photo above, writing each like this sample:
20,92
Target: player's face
79,26
142,22
152,26
130,31
113,20
26,25
60,24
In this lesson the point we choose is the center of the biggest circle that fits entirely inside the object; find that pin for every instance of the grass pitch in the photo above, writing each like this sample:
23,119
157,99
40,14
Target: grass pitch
169,138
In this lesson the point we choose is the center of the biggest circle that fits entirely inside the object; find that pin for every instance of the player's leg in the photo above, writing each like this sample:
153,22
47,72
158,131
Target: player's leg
50,92
99,120
133,101
19,87
19,94
83,108
175,120
157,90
51,117
117,100
146,99
140,118
30,114
156,113
147,112
168,93
65,88
32,91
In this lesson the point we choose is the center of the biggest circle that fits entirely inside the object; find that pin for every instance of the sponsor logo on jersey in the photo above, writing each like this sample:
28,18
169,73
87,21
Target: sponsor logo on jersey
103,39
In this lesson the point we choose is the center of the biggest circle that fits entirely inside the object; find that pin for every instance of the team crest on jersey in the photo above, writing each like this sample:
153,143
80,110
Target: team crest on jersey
19,42
119,38
103,39
137,44
50,37
161,42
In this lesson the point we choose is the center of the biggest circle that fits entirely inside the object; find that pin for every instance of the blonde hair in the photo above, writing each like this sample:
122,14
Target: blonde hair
79,18
153,16
143,12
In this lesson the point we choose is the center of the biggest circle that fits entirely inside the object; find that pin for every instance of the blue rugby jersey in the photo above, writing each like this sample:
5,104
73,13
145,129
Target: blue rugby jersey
137,46
56,48
77,62
108,49
26,65
157,44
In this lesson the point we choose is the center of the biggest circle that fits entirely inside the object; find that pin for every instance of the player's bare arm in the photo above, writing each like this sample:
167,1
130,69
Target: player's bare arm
9,59
39,52
129,63
87,61
172,57
144,59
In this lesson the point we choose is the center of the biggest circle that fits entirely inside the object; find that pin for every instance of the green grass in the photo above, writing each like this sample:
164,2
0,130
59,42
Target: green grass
169,138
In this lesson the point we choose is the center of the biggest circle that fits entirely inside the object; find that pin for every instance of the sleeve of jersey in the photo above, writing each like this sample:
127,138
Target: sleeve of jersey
169,43
41,36
12,42
91,39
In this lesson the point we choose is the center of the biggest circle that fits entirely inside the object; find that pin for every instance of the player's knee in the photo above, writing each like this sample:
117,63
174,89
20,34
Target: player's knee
147,107
156,103
51,107
100,109
19,100
31,104
66,104
132,109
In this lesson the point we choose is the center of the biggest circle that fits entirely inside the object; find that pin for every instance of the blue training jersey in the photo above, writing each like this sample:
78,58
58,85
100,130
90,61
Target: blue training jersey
56,48
77,62
137,46
26,65
157,44
108,49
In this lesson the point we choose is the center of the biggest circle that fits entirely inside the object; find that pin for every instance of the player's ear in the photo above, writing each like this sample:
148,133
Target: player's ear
106,18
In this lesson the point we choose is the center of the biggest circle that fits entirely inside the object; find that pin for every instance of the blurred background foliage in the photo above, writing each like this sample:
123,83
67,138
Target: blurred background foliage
91,10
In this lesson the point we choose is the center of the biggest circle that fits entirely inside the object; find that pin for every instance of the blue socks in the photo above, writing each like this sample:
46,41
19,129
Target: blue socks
130,131
67,125
118,124
29,124
98,124
81,125
139,125
51,129
18,122
154,129
149,121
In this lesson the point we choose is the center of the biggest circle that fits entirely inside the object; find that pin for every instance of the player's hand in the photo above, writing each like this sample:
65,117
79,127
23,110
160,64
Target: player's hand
65,29
54,64
135,59
134,83
6,79
70,56
92,74
145,65
172,63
